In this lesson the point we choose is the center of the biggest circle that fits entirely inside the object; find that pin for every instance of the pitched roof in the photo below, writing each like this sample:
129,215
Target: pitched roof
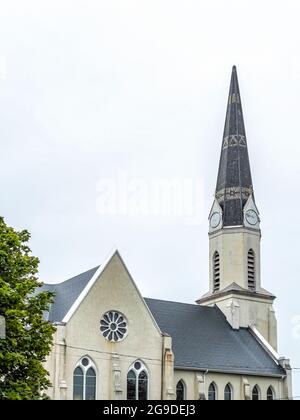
236,288
234,183
203,339
66,293
201,336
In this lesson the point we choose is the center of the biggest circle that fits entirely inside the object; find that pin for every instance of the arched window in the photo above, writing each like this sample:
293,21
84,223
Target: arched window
228,394
212,392
270,394
137,382
180,391
84,380
78,384
251,270
216,271
256,393
143,386
131,385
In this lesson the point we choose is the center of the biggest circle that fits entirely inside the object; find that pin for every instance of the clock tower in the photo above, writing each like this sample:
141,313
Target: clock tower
235,235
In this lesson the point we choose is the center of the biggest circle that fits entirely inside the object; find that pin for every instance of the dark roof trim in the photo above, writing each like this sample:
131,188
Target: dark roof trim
234,229
228,371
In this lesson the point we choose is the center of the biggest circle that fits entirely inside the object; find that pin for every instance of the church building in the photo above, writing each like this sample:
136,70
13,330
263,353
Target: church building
112,343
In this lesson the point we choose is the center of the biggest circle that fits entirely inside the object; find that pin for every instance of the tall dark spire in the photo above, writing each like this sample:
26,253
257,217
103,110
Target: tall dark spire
234,184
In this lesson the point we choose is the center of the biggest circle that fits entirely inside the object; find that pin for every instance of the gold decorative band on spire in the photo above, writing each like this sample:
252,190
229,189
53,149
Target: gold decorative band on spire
233,193
234,140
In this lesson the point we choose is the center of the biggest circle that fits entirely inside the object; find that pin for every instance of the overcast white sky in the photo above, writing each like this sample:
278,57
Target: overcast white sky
133,92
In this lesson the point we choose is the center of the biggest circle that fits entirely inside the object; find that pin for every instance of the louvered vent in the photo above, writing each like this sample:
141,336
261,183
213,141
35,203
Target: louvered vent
251,270
216,267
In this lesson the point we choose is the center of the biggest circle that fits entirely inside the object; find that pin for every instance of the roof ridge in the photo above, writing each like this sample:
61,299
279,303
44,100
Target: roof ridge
180,303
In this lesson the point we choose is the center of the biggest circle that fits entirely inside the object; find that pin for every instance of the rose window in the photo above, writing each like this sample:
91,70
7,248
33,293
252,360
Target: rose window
113,326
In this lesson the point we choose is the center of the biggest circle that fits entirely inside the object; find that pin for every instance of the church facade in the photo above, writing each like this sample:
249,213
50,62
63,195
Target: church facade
112,343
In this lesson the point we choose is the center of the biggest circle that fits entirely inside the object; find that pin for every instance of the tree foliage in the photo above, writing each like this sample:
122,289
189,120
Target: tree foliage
29,336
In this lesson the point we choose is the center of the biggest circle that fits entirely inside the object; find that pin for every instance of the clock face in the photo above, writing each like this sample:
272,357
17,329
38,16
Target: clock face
215,220
251,217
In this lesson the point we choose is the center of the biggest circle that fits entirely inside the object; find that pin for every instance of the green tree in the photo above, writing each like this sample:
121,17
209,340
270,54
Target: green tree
29,336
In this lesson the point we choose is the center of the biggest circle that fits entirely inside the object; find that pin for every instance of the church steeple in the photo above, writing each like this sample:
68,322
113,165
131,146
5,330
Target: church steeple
234,183
234,233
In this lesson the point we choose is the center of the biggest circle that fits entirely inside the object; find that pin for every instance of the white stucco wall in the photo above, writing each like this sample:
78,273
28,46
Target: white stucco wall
114,290
221,380
233,246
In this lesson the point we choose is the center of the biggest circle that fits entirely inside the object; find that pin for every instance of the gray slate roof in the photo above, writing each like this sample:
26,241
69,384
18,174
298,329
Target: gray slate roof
202,338
66,293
